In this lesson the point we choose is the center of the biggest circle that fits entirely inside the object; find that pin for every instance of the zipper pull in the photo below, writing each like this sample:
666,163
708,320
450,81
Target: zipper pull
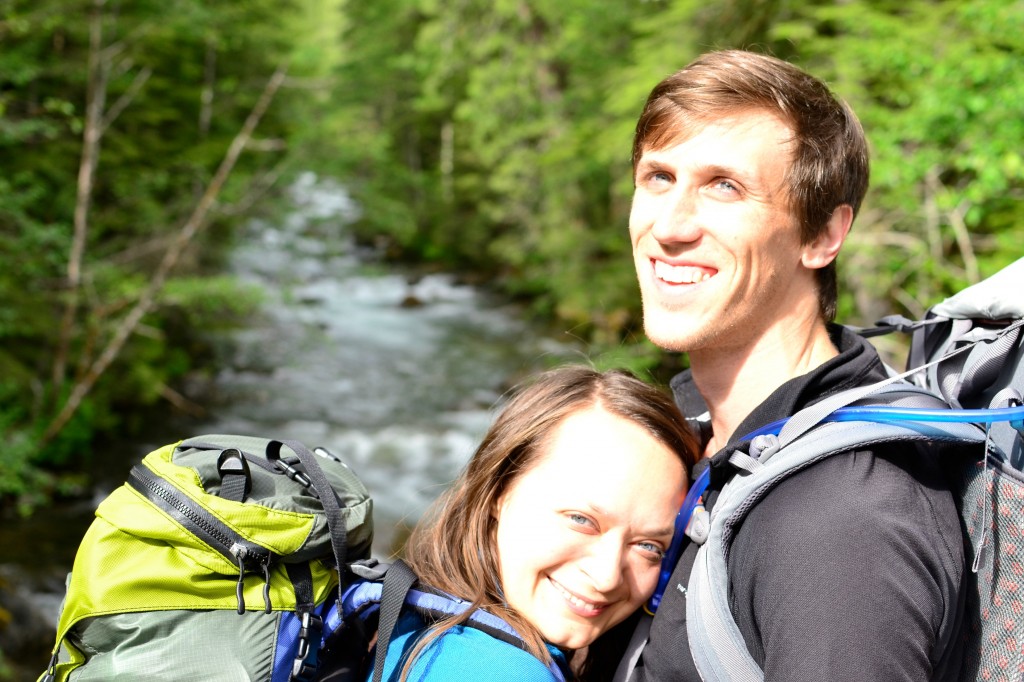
239,552
51,667
266,586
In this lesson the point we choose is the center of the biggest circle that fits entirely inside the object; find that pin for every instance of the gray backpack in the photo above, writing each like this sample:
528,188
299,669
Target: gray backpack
964,386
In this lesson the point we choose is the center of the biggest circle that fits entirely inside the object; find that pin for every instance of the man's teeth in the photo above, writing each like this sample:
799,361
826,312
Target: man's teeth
679,274
574,599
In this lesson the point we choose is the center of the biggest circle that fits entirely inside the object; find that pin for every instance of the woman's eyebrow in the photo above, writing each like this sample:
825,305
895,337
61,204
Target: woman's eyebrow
649,532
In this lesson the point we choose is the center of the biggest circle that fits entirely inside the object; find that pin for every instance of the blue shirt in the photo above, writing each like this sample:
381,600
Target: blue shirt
464,653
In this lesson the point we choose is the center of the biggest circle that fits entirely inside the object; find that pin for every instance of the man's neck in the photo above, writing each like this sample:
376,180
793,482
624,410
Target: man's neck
734,381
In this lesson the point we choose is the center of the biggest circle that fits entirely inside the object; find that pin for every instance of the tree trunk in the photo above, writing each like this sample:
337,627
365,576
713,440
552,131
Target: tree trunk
96,94
195,223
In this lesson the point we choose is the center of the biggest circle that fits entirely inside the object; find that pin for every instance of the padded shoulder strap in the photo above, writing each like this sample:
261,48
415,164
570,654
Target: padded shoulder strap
397,592
716,643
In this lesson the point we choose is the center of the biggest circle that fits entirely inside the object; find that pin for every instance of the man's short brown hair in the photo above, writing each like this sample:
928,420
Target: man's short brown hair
830,153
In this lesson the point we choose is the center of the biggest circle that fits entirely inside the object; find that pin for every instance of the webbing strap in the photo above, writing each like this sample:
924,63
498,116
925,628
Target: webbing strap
626,672
811,416
397,582
235,482
985,366
328,498
744,462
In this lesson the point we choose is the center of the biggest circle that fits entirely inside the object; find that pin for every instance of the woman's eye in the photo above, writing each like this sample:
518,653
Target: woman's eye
651,550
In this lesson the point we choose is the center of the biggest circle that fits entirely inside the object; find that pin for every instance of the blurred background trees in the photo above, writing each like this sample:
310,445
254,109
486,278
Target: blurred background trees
502,134
489,138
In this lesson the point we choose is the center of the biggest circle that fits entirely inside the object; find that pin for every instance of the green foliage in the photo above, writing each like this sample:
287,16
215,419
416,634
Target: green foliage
6,671
20,481
935,87
176,80
489,137
496,136
494,162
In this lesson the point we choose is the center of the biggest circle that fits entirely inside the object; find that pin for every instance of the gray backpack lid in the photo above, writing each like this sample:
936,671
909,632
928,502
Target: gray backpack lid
999,297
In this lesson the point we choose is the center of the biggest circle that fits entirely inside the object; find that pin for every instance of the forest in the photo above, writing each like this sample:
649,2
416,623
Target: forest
491,139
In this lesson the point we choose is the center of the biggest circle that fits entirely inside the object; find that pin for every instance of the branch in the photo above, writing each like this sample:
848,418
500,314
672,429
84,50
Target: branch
125,99
932,186
181,402
256,191
141,250
96,94
192,226
963,241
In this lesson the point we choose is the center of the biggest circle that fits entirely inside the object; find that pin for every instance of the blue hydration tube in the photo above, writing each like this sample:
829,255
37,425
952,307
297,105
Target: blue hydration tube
882,413
668,562
878,413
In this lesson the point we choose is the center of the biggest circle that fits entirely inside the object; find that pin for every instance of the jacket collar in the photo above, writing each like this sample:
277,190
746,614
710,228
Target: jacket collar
857,364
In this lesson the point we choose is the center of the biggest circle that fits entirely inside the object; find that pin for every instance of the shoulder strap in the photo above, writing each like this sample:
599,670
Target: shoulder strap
397,583
396,593
626,672
716,643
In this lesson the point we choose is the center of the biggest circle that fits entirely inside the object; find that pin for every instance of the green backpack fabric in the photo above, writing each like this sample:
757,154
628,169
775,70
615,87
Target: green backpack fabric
216,561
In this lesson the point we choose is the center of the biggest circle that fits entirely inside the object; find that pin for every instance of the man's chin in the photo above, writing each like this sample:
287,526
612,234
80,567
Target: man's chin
669,337
668,341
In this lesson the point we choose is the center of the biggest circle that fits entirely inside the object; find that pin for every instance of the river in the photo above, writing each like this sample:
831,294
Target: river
394,371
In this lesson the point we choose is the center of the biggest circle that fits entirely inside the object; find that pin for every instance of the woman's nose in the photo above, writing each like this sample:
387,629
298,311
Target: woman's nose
604,565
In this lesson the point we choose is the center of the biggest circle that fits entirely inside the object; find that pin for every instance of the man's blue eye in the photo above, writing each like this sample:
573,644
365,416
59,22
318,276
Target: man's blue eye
579,519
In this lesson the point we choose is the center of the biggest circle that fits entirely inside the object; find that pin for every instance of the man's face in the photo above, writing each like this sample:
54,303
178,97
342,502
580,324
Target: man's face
715,243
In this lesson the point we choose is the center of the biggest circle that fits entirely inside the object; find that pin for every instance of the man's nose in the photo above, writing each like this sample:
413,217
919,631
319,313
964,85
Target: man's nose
678,219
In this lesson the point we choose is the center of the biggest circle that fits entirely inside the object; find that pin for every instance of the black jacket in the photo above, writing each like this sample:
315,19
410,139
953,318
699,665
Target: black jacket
848,570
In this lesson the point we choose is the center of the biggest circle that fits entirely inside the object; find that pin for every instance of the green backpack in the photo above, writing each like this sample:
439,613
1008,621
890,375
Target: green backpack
217,560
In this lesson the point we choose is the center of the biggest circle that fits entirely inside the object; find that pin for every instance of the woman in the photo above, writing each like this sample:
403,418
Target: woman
557,525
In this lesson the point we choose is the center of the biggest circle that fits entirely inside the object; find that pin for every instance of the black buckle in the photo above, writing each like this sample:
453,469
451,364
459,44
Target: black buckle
310,635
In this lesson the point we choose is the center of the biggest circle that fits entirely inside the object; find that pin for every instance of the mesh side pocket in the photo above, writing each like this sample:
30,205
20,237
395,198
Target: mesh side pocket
993,511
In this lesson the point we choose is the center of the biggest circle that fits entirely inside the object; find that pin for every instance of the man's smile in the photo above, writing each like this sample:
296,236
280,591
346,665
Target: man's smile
681,274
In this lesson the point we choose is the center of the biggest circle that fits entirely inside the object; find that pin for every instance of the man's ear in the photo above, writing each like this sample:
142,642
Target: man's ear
825,247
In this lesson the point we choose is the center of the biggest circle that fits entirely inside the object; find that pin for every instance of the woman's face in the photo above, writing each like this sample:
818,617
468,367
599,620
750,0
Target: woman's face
581,533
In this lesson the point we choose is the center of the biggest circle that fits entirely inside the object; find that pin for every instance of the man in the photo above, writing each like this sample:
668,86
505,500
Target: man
748,175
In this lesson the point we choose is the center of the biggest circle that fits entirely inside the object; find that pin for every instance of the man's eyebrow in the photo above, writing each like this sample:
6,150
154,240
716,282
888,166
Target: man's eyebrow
652,161
648,163
728,172
752,181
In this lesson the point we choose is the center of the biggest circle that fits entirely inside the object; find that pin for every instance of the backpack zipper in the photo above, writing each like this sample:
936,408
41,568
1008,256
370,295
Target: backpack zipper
245,554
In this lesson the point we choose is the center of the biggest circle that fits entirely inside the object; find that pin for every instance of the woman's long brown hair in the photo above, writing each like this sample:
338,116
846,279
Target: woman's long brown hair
453,547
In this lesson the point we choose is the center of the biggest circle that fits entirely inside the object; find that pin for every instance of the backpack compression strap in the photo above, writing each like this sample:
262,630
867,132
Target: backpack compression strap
328,498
